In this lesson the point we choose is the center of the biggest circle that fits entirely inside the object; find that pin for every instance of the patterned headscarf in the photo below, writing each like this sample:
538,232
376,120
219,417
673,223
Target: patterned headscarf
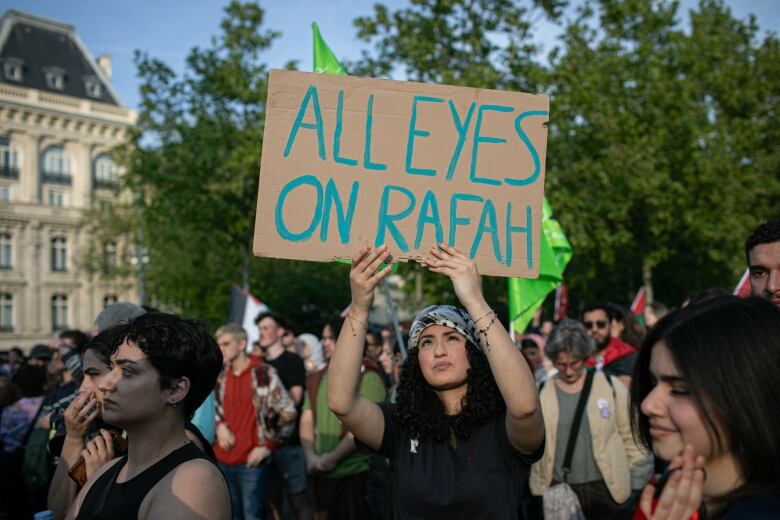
446,315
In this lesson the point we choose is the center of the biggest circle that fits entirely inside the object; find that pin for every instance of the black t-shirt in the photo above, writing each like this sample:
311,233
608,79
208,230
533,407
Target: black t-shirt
289,367
762,507
482,477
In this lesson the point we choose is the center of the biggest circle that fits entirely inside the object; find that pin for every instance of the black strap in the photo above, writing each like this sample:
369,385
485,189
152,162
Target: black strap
575,426
113,473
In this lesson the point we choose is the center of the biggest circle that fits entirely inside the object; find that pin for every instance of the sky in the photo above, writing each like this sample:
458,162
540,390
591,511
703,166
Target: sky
168,29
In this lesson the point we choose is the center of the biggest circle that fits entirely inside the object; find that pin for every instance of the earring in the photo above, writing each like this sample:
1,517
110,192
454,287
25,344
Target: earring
173,403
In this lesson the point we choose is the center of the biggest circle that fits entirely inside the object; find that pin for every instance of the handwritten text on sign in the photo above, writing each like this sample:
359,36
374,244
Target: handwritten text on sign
352,161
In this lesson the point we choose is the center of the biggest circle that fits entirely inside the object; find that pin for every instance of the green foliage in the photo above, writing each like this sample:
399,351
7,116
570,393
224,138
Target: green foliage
663,149
192,168
660,153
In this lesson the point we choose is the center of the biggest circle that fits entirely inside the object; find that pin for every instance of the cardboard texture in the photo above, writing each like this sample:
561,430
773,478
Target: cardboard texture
350,161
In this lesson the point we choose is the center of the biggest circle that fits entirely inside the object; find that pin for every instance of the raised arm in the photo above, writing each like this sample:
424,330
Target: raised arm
360,415
524,424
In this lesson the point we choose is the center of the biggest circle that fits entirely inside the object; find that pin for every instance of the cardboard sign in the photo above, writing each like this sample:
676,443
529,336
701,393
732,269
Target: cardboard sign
352,161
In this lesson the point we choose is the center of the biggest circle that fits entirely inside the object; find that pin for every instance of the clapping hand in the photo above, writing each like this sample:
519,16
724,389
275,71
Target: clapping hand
681,495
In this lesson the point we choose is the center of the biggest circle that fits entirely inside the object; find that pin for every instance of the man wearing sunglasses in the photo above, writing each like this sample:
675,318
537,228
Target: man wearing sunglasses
613,356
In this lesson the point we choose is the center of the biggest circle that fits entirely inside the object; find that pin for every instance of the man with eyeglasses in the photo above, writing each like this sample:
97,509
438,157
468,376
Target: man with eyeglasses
613,356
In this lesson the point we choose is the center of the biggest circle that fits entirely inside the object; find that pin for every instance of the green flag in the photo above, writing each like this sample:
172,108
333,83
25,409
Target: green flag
325,62
525,295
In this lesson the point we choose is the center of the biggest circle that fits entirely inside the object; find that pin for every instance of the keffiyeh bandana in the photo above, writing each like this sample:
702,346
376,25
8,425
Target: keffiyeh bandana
446,315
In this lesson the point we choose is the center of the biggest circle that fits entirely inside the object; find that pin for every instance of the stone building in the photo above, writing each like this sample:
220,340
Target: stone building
59,120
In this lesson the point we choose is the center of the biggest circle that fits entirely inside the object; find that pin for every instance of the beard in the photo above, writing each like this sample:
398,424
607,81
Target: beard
601,345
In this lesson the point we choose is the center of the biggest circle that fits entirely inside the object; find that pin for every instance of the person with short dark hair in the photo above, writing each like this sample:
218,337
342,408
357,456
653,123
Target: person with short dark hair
288,463
612,355
339,475
16,424
705,387
162,368
762,249
467,424
40,355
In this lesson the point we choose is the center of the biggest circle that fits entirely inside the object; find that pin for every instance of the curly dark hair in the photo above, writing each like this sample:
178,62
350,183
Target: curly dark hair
420,411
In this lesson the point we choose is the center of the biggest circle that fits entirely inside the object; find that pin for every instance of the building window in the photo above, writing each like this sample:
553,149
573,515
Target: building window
109,299
93,87
9,160
109,257
59,254
56,198
5,193
6,312
106,172
55,78
59,312
6,251
56,165
12,70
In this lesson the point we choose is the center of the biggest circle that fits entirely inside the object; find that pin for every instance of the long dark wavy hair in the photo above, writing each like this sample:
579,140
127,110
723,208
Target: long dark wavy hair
421,413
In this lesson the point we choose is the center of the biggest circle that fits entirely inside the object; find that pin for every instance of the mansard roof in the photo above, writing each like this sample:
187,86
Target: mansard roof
42,47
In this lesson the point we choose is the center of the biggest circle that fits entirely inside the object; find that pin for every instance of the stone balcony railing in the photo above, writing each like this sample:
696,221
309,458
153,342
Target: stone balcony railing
69,104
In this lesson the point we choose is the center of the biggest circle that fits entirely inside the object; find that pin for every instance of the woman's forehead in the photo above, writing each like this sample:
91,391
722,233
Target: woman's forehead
438,330
128,350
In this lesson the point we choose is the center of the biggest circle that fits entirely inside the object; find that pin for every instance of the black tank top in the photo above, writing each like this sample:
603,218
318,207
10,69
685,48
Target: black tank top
122,500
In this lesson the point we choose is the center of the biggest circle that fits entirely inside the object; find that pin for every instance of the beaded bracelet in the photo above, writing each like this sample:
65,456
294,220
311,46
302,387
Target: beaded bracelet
487,327
351,326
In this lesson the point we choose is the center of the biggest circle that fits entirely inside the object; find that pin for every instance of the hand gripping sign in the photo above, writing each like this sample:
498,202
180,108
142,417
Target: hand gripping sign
350,161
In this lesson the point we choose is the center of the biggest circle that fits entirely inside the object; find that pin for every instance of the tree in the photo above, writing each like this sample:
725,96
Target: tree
192,171
662,156
475,43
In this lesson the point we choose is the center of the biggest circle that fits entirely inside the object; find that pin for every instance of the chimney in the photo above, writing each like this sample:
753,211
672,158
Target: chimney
104,62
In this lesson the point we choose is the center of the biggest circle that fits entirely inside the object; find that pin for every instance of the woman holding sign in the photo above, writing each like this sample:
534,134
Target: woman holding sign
467,424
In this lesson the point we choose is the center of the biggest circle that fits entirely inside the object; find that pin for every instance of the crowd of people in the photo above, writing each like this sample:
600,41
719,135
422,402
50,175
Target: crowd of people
671,415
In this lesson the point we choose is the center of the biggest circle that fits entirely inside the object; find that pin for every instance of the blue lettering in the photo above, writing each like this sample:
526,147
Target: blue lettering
531,148
386,221
311,95
413,132
429,214
343,220
462,129
488,213
281,228
337,134
529,239
367,164
485,139
455,220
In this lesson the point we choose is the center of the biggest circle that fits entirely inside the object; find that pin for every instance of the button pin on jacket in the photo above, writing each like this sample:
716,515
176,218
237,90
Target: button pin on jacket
603,406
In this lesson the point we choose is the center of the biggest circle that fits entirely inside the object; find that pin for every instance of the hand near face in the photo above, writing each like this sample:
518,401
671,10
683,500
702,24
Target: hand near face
79,415
460,269
97,452
225,437
681,495
256,456
365,274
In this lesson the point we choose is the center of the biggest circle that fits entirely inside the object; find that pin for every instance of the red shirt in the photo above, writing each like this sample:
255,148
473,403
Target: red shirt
239,413
615,350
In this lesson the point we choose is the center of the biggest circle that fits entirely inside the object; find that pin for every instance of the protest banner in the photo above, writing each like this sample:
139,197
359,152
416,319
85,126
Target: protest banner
350,161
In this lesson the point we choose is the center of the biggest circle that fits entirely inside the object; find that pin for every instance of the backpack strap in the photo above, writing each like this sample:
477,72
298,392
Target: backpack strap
575,427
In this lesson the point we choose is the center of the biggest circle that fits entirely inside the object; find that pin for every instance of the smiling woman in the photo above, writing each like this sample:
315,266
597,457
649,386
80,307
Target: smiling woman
162,368
467,424
706,388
